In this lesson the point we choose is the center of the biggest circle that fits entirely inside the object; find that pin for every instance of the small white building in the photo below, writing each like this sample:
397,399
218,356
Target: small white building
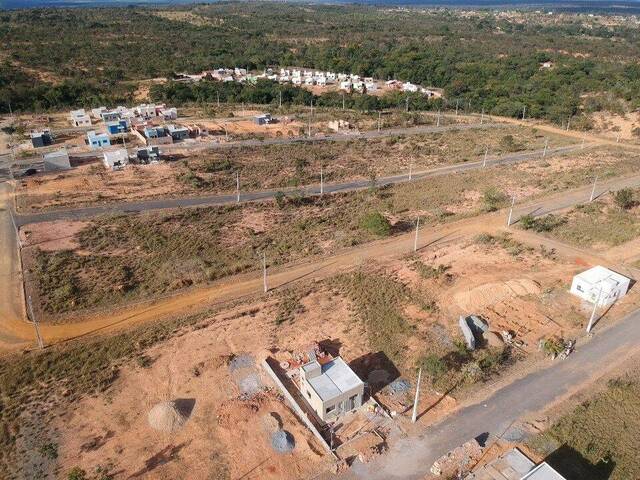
79,118
308,81
296,81
601,285
370,86
346,85
116,159
331,388
409,87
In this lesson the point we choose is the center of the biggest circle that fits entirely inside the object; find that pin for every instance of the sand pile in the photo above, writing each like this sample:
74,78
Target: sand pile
166,417
492,293
282,441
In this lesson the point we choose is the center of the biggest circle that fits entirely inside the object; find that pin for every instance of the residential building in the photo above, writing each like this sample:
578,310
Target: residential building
115,159
97,112
600,285
346,85
370,86
308,81
409,87
117,127
98,140
148,154
178,132
514,465
58,160
157,136
263,119
169,113
79,118
321,81
296,81
41,138
331,387
110,115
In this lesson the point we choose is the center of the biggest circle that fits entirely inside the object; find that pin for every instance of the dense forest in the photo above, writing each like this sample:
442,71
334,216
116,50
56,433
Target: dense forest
60,58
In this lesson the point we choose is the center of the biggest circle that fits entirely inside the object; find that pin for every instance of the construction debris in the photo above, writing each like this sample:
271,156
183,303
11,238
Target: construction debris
282,441
460,459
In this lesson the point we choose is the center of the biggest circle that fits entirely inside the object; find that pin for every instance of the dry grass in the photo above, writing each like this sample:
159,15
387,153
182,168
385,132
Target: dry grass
598,439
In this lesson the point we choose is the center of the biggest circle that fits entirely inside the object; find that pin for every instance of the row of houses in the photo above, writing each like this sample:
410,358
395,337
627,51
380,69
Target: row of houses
130,116
295,76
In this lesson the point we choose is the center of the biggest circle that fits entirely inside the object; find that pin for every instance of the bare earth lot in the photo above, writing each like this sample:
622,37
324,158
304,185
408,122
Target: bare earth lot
417,303
112,260
272,167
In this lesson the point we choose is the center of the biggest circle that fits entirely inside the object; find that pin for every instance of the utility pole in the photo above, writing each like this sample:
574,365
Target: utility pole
264,272
457,103
406,109
546,145
513,202
35,323
343,101
486,152
414,416
415,240
321,181
482,116
524,110
218,95
438,119
379,120
10,111
237,187
280,101
593,190
568,123
593,312
618,138
410,171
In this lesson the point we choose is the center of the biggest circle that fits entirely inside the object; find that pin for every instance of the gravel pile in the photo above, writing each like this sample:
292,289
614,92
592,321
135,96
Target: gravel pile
282,441
241,361
166,417
400,386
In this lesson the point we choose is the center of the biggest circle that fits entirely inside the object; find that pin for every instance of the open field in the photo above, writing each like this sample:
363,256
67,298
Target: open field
115,259
272,167
113,382
598,438
599,225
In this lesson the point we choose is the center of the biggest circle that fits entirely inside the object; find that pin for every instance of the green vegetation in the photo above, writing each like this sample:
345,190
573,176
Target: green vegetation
58,57
376,223
428,272
599,438
504,241
494,199
378,301
598,224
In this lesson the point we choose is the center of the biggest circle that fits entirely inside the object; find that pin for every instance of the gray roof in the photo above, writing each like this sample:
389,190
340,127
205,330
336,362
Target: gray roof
510,466
335,379
544,471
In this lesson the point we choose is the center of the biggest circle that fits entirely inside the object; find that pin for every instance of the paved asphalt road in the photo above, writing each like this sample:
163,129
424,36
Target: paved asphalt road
266,194
411,457
36,161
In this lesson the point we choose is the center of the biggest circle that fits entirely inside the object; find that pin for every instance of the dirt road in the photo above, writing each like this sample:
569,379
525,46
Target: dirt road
11,300
313,190
410,458
18,333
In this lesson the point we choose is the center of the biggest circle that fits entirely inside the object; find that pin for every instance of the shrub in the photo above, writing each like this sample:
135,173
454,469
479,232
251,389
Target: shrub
542,224
280,199
49,450
508,144
434,366
493,199
376,223
624,198
76,473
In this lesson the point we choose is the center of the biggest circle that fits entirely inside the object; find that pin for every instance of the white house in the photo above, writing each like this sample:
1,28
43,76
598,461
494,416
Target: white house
346,85
370,86
116,159
601,285
296,81
321,81
409,87
79,118
331,388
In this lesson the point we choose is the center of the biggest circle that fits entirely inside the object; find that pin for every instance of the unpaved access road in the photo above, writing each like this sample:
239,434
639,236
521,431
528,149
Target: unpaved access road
410,458
314,190
238,287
